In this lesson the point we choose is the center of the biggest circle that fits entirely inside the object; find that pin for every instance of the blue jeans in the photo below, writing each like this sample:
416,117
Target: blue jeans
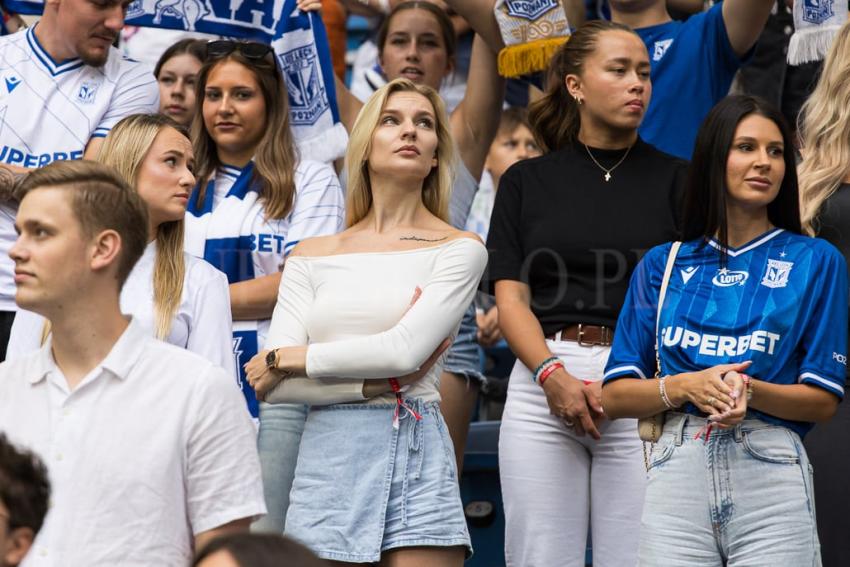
742,498
281,426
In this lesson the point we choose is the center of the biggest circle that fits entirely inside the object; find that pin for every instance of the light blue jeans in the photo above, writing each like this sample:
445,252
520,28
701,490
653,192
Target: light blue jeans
281,426
742,498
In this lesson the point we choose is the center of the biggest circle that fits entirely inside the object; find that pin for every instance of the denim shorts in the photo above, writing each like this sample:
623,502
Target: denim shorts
465,357
363,487
743,496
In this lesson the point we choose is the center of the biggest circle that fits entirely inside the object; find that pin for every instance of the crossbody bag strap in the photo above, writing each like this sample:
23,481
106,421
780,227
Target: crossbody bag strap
671,259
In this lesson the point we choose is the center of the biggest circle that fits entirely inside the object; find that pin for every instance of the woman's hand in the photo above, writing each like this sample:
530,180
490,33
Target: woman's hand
260,377
705,389
735,415
309,5
488,327
372,388
578,405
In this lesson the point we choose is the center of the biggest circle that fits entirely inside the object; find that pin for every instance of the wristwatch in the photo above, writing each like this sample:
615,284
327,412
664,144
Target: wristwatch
271,359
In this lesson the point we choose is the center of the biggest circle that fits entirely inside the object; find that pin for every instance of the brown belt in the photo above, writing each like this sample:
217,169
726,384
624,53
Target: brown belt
588,335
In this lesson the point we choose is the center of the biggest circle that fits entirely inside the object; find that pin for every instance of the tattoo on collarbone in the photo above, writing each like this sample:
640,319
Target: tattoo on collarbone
417,239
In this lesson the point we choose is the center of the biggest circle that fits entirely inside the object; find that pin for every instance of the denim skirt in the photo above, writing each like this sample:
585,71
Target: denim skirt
464,357
363,486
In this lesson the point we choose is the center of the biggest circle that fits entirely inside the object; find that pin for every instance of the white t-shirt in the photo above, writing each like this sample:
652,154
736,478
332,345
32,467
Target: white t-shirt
153,447
49,111
202,323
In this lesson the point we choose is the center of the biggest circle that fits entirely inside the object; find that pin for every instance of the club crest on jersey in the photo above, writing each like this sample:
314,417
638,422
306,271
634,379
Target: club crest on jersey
661,48
529,9
777,273
817,11
307,97
88,91
728,278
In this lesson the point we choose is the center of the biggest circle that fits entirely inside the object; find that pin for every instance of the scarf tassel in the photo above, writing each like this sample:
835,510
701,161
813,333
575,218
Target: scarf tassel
525,58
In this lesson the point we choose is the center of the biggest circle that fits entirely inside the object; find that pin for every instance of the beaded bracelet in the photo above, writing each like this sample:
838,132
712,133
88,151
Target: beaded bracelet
663,389
535,376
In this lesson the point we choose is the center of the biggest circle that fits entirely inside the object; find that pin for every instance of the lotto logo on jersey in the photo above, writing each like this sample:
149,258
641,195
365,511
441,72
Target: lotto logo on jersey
727,278
88,91
720,345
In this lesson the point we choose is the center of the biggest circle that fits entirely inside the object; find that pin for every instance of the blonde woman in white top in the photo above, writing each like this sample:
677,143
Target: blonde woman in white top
376,479
173,296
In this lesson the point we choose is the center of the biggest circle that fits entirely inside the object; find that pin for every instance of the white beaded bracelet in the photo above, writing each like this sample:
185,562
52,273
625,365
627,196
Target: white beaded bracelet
662,388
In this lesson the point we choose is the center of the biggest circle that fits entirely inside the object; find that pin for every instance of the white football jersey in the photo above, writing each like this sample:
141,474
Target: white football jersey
49,111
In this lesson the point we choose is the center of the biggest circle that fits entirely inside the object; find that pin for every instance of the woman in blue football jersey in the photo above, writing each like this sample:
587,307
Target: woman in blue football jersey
729,480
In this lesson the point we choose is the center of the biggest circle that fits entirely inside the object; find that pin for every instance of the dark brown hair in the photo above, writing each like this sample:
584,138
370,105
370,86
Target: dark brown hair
24,487
446,27
706,190
275,157
555,118
197,48
100,200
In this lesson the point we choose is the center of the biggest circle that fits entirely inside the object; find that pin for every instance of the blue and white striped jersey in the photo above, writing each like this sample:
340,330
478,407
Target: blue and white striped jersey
49,111
230,231
781,302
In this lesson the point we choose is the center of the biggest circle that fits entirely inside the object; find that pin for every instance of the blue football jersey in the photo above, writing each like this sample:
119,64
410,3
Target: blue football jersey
781,302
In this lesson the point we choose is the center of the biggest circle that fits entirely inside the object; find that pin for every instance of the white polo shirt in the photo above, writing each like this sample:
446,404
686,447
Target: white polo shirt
50,110
152,447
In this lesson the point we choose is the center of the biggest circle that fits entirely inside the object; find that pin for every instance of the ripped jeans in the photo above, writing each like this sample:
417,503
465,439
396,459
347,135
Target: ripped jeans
743,497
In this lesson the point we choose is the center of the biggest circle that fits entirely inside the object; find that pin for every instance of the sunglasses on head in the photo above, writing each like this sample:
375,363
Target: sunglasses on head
248,49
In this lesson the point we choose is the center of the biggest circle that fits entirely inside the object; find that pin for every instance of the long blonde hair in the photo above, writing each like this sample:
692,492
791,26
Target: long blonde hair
824,128
437,186
125,149
275,157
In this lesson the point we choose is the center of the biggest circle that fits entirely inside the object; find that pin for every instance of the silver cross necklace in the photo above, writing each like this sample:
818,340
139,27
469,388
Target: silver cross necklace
608,171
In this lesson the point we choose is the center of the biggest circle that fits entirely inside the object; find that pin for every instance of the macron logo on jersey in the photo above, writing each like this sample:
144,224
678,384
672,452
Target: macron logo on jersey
688,273
720,345
12,82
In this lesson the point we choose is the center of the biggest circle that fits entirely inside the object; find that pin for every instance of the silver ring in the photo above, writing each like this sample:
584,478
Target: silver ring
568,423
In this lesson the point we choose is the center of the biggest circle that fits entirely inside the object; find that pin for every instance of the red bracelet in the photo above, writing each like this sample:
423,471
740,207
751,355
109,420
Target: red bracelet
394,385
548,371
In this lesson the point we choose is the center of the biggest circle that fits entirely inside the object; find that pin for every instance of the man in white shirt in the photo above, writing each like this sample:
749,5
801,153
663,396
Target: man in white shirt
63,87
150,449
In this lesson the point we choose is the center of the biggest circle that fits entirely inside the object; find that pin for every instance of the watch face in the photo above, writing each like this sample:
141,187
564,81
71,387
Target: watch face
271,358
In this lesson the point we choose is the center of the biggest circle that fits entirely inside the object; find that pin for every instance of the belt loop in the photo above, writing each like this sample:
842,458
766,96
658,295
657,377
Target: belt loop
739,433
680,429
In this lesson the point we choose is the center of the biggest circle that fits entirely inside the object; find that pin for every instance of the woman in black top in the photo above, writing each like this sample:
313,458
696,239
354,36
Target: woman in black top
566,232
825,194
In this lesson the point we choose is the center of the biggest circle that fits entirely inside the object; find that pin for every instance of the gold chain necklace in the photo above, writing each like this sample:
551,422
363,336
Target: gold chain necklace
607,176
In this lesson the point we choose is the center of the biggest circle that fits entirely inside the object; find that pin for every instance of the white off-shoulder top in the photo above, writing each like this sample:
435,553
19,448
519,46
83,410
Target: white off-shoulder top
352,311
